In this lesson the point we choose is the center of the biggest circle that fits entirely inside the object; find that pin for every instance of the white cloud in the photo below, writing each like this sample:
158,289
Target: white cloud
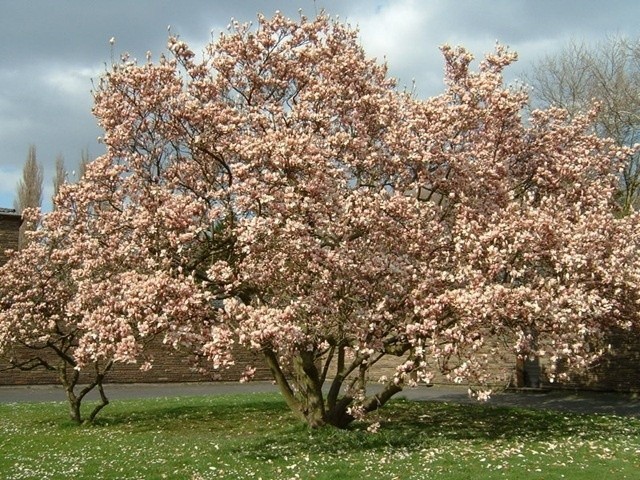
72,81
400,33
395,31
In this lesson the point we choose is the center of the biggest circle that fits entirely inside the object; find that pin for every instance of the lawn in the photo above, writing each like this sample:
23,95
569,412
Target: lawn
254,436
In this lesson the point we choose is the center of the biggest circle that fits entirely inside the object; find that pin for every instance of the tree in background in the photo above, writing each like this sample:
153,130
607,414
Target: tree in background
29,189
60,173
607,73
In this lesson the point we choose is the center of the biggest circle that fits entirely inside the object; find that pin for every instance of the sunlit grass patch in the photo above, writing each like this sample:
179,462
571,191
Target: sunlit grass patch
255,436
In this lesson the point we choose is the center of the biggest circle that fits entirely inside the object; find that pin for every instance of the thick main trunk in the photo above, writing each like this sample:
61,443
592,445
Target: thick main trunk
309,404
308,380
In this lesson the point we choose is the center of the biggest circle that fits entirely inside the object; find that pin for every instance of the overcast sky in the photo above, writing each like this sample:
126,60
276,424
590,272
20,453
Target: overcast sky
51,50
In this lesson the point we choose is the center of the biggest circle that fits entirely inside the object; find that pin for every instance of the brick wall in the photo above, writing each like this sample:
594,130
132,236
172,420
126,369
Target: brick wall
168,366
617,370
9,226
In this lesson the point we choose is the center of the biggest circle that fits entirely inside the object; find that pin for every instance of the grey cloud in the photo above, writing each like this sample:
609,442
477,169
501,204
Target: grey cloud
49,50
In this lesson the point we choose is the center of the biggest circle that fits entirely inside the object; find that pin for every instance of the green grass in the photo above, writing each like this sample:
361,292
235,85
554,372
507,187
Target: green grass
254,436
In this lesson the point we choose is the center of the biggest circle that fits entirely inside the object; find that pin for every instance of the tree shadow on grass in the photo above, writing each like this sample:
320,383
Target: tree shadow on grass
408,425
455,422
262,426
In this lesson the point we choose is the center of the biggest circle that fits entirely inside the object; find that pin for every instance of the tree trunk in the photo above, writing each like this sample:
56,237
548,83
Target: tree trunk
74,407
338,416
308,380
70,381
104,402
309,403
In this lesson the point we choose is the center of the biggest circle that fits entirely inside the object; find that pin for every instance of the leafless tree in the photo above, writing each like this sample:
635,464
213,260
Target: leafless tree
607,73
29,190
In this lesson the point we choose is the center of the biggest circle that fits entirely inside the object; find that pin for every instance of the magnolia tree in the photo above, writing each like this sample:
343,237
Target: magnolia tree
344,221
88,291
35,330
314,213
296,145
